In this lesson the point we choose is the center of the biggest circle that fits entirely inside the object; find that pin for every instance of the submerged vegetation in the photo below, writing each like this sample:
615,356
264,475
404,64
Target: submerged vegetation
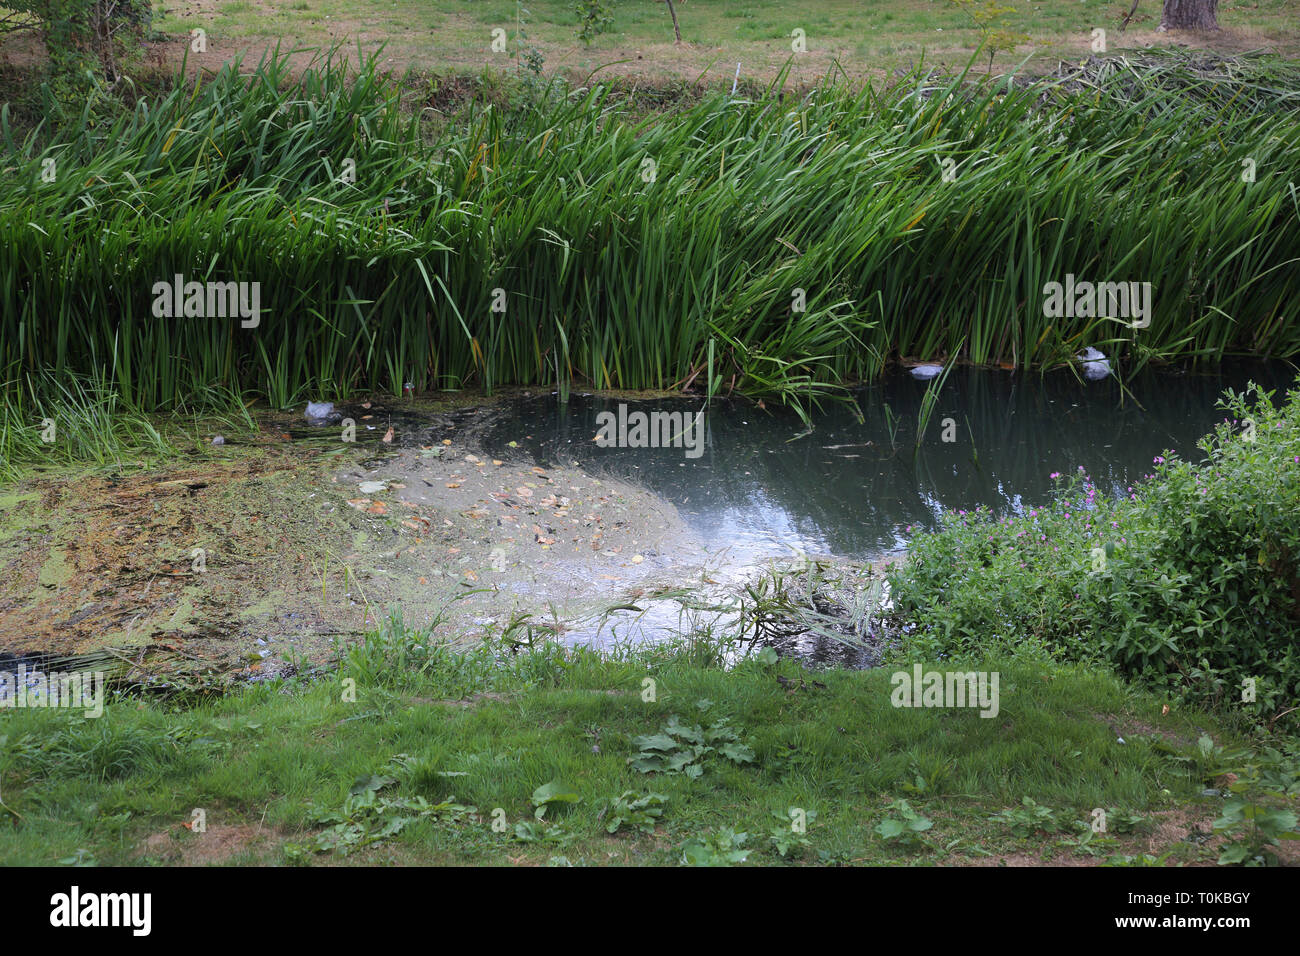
779,244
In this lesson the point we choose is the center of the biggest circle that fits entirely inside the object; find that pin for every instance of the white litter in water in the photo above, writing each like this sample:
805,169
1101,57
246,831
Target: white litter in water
320,410
1095,365
923,373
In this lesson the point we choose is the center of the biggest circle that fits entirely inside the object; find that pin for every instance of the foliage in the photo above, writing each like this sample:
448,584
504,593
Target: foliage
397,656
287,752
785,838
678,748
85,34
1260,811
529,831
551,794
367,818
624,275
721,849
1188,580
630,810
594,18
1029,818
905,826
990,18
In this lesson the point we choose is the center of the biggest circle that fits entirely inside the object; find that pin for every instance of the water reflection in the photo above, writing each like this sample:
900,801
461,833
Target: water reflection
853,488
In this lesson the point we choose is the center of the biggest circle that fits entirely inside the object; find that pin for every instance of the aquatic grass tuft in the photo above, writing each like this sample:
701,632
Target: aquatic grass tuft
790,245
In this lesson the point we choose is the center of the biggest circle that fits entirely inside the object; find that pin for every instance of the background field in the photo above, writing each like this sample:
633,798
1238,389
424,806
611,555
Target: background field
863,37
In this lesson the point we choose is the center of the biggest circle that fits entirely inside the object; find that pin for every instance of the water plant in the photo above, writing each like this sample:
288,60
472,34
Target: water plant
791,243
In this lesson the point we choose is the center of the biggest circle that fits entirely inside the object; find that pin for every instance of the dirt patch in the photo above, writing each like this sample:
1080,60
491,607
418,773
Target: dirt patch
1127,726
1193,825
180,847
1026,859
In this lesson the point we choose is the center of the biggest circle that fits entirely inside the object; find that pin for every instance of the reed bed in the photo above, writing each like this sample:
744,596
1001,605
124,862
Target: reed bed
622,274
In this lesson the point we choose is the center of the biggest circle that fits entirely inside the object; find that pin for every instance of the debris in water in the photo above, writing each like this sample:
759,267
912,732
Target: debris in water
923,373
1095,365
319,413
219,440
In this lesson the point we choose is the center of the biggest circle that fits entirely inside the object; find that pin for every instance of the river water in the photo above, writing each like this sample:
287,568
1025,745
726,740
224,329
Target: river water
762,485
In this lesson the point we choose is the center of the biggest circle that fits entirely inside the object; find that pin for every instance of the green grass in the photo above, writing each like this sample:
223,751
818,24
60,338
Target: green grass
1128,174
52,422
717,33
286,754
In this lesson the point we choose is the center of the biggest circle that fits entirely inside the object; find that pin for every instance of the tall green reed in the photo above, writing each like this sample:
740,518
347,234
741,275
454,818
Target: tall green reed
628,275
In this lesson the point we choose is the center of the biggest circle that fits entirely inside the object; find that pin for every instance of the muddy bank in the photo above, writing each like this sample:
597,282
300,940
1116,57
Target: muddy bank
259,556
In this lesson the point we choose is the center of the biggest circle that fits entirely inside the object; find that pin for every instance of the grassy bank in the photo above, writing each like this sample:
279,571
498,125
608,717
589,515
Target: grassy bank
1189,580
564,241
436,746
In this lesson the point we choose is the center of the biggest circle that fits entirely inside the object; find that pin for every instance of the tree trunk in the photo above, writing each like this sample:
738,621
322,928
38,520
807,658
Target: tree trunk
677,31
1189,15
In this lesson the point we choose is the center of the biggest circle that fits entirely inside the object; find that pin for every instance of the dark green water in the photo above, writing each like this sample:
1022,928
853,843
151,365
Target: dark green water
761,487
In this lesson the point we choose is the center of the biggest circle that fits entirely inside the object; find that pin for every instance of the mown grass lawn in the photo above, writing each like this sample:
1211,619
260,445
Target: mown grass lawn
269,765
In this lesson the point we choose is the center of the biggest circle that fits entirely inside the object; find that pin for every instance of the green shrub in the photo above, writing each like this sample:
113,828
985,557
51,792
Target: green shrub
1191,580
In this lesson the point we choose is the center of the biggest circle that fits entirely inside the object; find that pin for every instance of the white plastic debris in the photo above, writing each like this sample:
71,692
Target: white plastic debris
923,373
1095,364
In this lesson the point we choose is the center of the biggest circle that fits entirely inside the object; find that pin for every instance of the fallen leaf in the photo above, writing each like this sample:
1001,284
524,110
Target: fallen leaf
388,435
